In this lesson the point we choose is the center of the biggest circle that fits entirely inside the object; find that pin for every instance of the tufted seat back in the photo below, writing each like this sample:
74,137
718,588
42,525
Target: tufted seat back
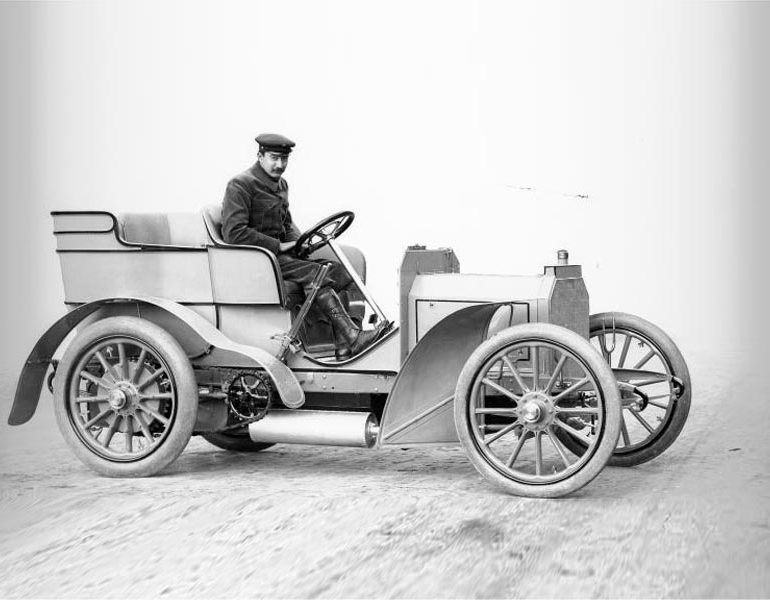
165,229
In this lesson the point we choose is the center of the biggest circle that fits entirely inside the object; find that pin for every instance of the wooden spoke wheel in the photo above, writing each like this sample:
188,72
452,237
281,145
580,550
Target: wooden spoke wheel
642,355
522,387
125,397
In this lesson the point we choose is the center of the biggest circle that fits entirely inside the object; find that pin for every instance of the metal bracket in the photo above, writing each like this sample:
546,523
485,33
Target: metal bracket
292,345
289,341
335,247
603,341
633,391
51,375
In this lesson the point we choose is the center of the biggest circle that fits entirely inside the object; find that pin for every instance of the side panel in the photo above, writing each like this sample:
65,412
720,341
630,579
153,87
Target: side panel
429,312
434,295
243,276
181,275
207,345
419,407
418,259
96,262
255,325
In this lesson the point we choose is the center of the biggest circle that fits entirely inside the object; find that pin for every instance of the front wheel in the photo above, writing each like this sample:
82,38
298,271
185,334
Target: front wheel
519,392
125,397
644,356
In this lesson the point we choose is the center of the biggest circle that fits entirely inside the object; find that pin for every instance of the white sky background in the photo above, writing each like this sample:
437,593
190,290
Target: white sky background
471,125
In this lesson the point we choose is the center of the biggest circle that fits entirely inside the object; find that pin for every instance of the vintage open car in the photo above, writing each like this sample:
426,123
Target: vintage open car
172,332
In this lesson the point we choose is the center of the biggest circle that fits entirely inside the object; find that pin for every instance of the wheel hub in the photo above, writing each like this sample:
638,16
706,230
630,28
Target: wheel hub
530,412
123,398
117,399
536,411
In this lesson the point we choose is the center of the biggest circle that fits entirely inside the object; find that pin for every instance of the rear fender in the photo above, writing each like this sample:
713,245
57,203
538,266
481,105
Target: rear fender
419,406
206,345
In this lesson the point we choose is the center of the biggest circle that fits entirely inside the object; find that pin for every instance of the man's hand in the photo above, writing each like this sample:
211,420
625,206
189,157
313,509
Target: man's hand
286,247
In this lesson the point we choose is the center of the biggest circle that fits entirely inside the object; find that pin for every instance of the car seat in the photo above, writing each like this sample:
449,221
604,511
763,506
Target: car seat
316,333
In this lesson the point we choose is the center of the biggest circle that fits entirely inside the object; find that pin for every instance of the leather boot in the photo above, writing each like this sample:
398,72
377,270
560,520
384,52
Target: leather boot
352,300
344,328
341,347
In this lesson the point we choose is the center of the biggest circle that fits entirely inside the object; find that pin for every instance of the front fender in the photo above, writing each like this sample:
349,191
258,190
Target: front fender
215,349
419,406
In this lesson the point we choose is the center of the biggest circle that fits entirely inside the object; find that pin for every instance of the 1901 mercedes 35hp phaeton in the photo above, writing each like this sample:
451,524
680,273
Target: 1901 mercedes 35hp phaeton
176,333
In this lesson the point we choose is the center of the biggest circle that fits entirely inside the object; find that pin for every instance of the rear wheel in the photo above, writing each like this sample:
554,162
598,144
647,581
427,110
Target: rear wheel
237,441
125,397
521,387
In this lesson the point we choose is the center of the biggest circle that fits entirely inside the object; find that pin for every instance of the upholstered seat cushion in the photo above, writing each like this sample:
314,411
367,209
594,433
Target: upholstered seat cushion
166,229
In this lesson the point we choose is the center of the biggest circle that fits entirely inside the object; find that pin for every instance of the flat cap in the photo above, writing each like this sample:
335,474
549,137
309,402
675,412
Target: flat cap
274,142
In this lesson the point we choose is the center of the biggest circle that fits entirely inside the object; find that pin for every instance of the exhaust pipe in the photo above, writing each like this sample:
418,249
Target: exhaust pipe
320,427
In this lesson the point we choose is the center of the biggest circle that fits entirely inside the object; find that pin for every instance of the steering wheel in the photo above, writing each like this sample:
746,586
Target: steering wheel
322,233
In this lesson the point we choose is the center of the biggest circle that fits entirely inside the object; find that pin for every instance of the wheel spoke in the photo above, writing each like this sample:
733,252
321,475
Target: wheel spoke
624,431
153,413
97,418
111,431
505,430
577,411
122,360
92,399
645,382
501,389
97,380
641,420
496,411
151,379
575,433
644,360
624,352
129,435
108,370
657,404
512,458
535,367
559,447
515,372
143,426
139,365
570,389
538,453
555,373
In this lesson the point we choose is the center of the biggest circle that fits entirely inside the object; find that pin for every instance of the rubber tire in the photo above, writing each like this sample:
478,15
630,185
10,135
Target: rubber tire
678,368
235,442
180,370
593,361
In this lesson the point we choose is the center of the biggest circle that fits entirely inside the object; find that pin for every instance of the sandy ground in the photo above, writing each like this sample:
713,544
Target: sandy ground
318,522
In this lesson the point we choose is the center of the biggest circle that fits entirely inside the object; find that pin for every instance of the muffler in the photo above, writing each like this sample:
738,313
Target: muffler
322,427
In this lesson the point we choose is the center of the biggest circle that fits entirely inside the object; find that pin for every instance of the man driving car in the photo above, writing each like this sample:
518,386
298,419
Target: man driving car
255,212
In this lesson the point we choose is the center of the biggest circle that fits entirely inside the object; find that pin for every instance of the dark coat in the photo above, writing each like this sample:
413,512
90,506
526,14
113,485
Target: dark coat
255,211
